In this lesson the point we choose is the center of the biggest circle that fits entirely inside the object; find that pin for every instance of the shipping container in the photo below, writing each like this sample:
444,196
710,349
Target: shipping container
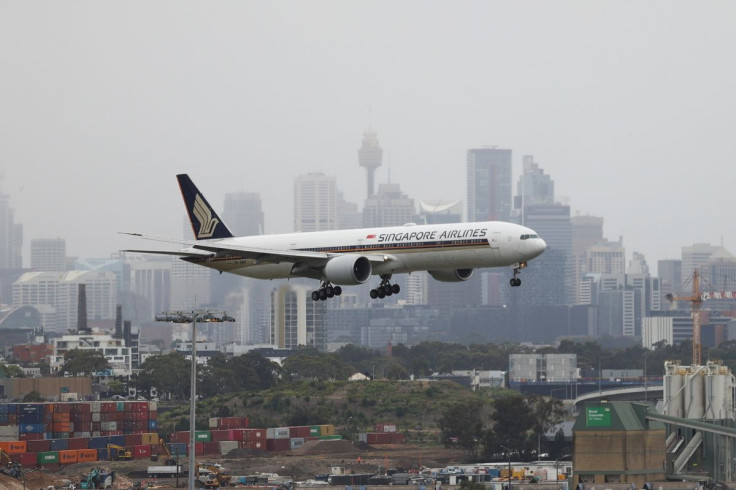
68,456
277,433
278,444
254,444
14,447
141,452
298,431
49,457
86,455
296,442
9,432
133,440
29,460
327,430
38,446
211,447
178,448
151,439
79,443
26,408
152,425
59,444
227,446
33,428
31,436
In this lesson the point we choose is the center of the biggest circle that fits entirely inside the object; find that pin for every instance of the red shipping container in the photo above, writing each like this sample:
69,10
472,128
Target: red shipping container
198,449
278,444
223,435
254,435
82,426
28,460
300,431
141,452
61,417
81,416
252,445
68,456
107,407
30,436
211,447
96,426
152,415
133,440
180,437
62,407
38,446
86,455
12,419
79,443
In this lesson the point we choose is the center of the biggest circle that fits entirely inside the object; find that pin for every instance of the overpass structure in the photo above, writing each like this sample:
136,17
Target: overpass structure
632,393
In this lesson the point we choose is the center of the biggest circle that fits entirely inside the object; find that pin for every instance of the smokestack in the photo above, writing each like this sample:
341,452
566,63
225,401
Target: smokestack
82,310
119,322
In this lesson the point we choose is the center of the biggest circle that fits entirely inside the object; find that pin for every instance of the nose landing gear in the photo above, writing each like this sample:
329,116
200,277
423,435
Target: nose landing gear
515,281
385,289
326,290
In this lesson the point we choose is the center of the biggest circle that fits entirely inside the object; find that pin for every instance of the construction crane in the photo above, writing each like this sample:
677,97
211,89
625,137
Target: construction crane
696,301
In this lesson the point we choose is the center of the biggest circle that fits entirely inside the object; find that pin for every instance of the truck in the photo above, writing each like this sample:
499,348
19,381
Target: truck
165,471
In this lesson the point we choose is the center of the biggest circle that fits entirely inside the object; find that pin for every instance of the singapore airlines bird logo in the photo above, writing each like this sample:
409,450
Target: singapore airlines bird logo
207,223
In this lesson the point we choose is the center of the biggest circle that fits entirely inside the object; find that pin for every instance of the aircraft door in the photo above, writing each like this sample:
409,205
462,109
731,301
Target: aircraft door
495,239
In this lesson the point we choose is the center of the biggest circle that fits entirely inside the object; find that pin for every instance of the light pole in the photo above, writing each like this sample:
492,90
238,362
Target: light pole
187,317
508,452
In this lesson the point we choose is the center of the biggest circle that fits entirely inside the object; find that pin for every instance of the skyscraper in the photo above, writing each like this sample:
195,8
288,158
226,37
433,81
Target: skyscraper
48,254
315,203
534,186
243,213
296,319
11,236
370,156
388,207
489,184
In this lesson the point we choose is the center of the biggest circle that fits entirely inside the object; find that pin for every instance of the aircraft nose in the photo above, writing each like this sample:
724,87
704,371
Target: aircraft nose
536,247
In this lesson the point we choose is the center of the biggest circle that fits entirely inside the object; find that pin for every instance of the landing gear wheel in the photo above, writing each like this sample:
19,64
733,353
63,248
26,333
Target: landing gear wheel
330,291
381,293
374,294
315,296
395,289
338,290
322,294
387,290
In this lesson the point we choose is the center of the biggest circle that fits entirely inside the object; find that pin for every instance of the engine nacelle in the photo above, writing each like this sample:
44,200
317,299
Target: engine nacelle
348,270
451,275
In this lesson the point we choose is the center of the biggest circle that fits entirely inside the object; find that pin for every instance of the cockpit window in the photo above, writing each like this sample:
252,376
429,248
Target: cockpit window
527,237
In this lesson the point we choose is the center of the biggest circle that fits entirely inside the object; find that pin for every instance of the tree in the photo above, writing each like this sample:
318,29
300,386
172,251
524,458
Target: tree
33,397
169,374
547,414
462,425
84,361
513,419
10,371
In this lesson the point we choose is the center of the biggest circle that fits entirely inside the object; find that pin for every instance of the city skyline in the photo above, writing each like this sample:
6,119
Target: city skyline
628,108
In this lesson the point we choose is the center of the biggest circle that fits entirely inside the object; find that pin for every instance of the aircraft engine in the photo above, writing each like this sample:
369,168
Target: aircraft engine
451,275
348,270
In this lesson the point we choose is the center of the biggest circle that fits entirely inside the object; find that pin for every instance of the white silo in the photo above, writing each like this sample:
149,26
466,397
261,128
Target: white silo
674,395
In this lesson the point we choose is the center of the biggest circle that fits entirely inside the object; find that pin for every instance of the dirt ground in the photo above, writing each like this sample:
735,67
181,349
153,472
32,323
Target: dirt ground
315,458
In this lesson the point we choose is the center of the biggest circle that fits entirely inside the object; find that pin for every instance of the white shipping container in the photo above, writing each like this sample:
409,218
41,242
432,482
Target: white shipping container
108,426
297,442
213,422
9,431
152,406
95,416
277,433
227,446
96,407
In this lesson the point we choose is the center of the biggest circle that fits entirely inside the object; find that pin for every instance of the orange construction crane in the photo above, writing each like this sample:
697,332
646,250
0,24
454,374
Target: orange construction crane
696,301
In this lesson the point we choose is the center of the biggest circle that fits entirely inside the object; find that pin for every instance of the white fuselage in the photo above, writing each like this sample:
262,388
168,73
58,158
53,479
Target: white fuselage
399,249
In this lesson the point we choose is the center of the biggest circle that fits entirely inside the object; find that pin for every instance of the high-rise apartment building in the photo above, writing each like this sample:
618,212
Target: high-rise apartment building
243,213
388,207
315,202
534,186
586,232
489,184
296,319
48,254
11,236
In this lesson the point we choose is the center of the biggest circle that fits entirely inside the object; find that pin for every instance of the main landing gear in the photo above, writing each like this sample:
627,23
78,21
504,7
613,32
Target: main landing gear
326,290
515,281
385,289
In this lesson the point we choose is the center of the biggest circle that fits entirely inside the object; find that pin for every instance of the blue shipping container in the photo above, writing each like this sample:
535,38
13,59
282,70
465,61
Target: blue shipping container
152,425
117,440
102,455
31,418
179,448
59,444
25,408
98,443
12,408
3,419
32,428
4,408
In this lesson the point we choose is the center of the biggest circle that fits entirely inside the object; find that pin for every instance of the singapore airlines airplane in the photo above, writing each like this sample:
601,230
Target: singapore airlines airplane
449,252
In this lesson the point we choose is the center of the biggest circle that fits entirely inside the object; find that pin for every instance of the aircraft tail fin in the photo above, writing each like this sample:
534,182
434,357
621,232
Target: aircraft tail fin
206,224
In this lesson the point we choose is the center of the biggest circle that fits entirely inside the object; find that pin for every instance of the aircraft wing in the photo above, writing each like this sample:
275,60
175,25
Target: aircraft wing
276,256
178,253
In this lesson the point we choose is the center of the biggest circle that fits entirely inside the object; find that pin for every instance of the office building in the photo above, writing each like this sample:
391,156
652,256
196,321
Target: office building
695,256
670,280
315,203
534,186
489,184
243,213
11,236
388,207
606,257
48,254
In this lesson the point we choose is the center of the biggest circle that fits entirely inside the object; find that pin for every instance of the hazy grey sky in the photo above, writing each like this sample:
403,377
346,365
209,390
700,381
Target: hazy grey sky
630,106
